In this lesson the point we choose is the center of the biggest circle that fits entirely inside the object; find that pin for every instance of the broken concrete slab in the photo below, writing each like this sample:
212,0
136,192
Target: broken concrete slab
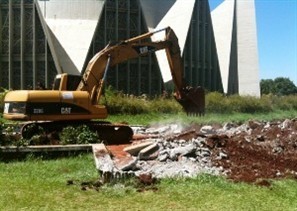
136,148
182,151
126,163
149,153
102,158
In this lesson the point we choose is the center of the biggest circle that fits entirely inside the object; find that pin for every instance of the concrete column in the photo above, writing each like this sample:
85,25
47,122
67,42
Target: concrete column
11,41
117,38
203,44
46,73
128,36
248,64
22,72
139,58
196,47
34,46
191,57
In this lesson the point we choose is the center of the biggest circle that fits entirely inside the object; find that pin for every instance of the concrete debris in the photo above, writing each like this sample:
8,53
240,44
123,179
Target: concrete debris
135,149
182,151
125,163
244,152
163,157
208,130
183,168
222,155
165,130
103,161
149,152
286,124
260,138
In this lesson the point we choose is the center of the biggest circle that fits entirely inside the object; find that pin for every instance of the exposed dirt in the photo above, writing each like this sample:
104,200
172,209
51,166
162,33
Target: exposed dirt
268,150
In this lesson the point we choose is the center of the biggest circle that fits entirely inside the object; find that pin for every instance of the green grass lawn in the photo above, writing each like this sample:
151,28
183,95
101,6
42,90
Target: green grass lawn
37,184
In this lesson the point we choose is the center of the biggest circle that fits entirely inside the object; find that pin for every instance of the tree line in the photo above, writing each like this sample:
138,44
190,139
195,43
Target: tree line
279,86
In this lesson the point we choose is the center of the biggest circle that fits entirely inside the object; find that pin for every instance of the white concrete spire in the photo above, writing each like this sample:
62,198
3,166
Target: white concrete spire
234,24
178,17
69,27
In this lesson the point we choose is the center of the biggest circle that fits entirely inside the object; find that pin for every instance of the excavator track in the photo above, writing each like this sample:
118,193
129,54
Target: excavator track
108,133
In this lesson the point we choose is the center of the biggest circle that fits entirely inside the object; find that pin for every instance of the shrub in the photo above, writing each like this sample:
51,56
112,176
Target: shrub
118,102
165,105
78,135
127,104
248,104
1,132
286,102
216,103
2,95
9,137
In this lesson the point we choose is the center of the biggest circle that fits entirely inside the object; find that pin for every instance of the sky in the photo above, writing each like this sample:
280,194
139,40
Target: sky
277,37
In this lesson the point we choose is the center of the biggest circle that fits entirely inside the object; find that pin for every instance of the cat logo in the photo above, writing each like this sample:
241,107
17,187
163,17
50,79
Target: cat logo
143,50
65,110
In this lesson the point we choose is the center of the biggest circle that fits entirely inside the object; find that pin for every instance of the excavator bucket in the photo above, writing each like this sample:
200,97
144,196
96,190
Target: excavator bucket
192,100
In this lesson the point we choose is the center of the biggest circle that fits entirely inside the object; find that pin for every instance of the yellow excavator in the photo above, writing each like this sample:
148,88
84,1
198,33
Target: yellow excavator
74,100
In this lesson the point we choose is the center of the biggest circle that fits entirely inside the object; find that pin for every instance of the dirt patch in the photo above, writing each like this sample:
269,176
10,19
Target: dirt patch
264,151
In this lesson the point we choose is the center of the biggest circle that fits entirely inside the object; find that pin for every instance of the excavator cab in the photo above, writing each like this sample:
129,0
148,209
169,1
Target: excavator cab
66,81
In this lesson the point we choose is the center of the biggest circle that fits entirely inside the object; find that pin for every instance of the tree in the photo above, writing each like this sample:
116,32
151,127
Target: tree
284,86
266,86
278,86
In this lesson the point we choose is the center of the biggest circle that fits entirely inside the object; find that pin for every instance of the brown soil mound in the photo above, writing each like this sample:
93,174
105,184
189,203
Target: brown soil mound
267,151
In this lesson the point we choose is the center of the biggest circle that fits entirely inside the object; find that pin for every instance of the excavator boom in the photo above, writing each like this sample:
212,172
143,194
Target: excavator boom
191,99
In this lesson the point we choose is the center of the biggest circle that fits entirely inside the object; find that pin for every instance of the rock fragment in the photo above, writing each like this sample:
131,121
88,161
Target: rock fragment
208,130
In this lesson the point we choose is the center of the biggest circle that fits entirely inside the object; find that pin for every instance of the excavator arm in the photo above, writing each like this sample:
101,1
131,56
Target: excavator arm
94,76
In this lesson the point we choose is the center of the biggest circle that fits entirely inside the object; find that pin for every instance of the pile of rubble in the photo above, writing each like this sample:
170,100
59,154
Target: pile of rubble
247,152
